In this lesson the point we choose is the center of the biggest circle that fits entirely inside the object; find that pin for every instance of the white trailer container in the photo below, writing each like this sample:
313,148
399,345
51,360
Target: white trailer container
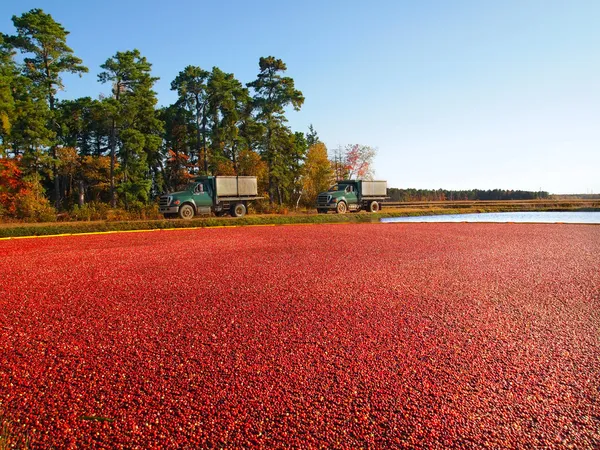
373,188
228,186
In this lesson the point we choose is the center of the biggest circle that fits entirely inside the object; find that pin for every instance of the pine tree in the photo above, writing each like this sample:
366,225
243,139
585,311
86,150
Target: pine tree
45,41
272,94
135,130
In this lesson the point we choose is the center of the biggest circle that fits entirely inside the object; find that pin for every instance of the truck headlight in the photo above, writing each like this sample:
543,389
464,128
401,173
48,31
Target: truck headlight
334,200
176,202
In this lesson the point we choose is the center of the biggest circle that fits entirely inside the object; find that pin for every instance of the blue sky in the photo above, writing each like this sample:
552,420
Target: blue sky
454,94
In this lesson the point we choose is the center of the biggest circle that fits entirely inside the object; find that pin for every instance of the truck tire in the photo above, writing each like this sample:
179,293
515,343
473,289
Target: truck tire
341,208
238,210
186,211
373,206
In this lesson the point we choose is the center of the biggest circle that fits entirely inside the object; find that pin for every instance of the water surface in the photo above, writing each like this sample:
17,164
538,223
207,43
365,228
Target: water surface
520,217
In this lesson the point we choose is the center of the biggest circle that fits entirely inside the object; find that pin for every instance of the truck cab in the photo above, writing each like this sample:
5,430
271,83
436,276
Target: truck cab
352,195
195,198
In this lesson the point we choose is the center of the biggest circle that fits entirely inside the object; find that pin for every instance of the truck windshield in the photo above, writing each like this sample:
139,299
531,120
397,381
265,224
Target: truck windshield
337,187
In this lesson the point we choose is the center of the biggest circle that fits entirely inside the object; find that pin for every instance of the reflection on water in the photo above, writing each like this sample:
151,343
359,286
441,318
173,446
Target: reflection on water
525,217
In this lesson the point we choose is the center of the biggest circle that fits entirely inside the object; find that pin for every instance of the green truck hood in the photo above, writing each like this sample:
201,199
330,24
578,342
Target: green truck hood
179,193
336,194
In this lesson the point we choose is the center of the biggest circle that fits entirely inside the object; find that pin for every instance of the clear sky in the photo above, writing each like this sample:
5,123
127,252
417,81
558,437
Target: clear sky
455,94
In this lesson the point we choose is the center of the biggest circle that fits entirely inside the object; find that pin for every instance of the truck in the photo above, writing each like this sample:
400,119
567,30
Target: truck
352,195
217,194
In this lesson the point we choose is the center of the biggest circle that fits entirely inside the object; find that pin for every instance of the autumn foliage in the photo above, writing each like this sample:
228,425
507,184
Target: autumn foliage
21,197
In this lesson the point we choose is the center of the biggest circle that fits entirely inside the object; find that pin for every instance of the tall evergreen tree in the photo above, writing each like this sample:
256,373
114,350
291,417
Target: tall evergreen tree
272,94
228,103
178,144
311,137
45,40
85,125
191,87
135,126
8,73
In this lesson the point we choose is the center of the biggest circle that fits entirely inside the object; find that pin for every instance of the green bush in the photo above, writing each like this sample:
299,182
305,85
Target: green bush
90,211
102,211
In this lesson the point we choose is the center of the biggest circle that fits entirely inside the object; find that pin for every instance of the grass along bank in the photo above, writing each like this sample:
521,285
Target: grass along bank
57,228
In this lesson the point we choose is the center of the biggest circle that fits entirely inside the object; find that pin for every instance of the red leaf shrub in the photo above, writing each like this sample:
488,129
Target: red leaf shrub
417,335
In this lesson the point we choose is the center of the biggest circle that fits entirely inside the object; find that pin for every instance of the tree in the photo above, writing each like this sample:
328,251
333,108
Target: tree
11,185
85,124
95,178
30,136
39,35
289,151
191,86
24,113
228,102
317,174
135,128
272,94
311,137
357,161
251,164
178,141
22,197
8,73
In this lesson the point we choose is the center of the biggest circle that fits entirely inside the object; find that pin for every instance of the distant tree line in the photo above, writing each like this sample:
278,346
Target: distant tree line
421,195
121,149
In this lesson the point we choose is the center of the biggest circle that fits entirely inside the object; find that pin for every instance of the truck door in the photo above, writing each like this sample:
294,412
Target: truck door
202,197
350,195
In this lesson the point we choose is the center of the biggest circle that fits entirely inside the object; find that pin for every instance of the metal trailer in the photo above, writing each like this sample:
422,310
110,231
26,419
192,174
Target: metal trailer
236,187
232,194
373,188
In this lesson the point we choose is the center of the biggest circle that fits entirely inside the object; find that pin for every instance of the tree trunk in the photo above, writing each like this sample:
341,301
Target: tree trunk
57,196
234,158
113,138
81,197
204,139
198,129
56,179
269,167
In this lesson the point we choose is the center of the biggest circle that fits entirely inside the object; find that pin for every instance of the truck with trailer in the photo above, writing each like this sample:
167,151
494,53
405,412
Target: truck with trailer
352,195
217,194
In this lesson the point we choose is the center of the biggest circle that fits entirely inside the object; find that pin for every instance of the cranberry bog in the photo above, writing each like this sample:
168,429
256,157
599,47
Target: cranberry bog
363,335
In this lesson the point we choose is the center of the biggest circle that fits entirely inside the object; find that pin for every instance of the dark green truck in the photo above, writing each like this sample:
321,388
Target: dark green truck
206,194
352,195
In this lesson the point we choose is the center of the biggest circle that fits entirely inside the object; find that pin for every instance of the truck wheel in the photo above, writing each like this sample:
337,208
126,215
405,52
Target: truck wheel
186,212
373,206
239,210
341,208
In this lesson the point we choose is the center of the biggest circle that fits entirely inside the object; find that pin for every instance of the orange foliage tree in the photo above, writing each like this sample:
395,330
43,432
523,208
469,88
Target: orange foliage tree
22,197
